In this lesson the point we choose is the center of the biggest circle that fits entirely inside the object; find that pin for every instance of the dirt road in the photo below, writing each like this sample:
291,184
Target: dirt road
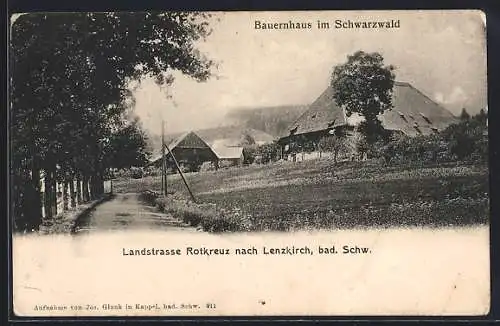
127,211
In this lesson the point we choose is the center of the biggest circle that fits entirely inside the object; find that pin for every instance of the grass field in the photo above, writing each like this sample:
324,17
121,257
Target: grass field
319,194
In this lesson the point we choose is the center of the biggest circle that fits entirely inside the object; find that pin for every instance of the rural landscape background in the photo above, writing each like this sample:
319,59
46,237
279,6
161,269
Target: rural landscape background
85,134
131,131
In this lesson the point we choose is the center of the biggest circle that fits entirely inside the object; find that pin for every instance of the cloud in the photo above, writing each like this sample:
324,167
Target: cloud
456,96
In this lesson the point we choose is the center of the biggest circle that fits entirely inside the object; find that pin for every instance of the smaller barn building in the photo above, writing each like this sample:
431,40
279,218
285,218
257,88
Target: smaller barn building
227,154
189,150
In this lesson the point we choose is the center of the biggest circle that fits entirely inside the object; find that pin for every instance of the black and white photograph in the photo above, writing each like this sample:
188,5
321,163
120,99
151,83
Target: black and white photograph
249,163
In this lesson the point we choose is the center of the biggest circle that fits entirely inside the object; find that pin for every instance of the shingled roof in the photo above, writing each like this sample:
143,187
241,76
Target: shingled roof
413,113
187,140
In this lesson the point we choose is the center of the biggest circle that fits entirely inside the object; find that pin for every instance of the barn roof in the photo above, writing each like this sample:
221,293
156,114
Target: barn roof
227,152
412,113
186,140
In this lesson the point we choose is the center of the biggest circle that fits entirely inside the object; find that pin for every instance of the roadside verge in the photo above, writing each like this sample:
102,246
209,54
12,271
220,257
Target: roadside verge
66,222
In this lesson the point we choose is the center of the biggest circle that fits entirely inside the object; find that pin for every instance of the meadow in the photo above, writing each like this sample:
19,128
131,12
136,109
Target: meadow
319,194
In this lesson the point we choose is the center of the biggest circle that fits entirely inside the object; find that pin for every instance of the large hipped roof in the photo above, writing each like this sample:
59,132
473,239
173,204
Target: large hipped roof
412,113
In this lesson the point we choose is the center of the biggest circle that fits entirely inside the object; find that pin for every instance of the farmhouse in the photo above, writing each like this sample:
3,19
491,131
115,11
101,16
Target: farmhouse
189,149
413,113
220,145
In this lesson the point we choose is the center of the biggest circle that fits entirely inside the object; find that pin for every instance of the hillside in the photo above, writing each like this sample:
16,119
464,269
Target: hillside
273,120
321,194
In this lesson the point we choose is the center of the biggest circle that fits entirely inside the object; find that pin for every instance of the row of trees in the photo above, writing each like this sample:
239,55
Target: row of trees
71,96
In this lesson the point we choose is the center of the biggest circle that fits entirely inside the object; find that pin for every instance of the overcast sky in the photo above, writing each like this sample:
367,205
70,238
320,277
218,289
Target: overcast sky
441,53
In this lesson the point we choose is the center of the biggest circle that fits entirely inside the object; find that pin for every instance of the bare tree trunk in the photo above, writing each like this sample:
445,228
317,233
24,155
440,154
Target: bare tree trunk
86,194
101,183
36,215
65,195
79,195
72,192
48,194
94,186
54,195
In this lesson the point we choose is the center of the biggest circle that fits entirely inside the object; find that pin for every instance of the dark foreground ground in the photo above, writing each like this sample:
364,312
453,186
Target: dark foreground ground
321,194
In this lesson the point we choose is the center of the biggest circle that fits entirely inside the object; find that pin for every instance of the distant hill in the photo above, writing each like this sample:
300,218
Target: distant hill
273,120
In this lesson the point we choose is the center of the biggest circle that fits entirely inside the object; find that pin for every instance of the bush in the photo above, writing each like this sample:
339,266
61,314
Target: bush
149,197
207,166
420,149
268,152
362,147
466,140
136,172
188,167
249,153
205,216
334,144
459,142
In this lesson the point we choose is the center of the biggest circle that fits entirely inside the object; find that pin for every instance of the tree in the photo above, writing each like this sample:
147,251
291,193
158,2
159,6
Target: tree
481,117
127,147
464,115
364,85
70,86
249,153
466,139
334,144
268,152
247,140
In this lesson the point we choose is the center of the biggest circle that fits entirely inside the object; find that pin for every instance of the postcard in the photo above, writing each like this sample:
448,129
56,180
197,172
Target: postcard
264,163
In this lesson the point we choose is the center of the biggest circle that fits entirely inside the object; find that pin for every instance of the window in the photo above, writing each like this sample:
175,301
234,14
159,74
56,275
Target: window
402,116
425,118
